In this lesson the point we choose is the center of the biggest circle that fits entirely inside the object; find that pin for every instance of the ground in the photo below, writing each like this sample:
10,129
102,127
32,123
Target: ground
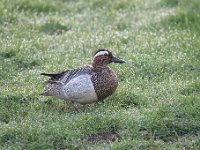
157,103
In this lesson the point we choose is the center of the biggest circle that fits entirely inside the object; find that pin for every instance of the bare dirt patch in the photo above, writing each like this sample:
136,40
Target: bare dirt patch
107,137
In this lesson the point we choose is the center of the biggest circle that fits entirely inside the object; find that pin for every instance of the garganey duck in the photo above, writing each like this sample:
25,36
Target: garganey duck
87,84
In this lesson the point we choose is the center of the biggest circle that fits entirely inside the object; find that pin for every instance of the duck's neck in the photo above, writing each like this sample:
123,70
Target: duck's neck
99,63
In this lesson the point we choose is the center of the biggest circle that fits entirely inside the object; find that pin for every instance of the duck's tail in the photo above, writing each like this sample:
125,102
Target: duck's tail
52,75
53,84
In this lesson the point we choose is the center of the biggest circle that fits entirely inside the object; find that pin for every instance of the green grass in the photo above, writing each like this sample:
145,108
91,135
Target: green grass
187,14
157,103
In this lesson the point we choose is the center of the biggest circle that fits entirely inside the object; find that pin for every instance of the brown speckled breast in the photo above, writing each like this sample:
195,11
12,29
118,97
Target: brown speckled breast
105,82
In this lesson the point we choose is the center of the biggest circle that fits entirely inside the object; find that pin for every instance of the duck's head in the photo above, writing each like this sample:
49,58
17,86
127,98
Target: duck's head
103,57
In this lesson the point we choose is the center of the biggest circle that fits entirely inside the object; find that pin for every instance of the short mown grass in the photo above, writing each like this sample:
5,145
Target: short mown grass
187,14
157,103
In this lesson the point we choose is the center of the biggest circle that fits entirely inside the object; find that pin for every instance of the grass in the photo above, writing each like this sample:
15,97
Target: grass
156,105
187,14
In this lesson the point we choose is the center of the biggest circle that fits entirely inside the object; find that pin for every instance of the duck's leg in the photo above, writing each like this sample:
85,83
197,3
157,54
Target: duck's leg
76,108
85,108
65,104
100,104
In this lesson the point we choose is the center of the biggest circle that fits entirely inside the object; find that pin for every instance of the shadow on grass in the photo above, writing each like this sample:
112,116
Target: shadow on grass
54,27
187,14
12,63
192,89
173,121
14,106
36,6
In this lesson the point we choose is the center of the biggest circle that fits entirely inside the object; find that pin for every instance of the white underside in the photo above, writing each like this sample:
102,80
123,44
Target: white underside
80,89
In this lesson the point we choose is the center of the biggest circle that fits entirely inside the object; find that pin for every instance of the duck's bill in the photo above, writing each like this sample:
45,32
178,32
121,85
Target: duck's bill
117,60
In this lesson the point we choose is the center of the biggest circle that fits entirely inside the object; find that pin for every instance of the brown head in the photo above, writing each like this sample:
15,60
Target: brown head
103,57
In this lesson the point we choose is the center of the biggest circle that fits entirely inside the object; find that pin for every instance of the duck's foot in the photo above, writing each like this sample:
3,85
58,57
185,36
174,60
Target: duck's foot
83,108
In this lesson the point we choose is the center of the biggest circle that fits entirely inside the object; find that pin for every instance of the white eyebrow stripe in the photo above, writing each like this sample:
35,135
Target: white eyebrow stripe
101,53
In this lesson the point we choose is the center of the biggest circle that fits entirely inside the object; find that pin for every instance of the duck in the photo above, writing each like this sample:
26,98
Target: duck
86,84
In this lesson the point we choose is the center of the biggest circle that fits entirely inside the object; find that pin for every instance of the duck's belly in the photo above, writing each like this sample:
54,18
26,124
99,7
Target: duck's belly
80,89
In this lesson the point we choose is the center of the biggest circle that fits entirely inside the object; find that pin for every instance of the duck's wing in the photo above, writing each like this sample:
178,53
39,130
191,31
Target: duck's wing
66,76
